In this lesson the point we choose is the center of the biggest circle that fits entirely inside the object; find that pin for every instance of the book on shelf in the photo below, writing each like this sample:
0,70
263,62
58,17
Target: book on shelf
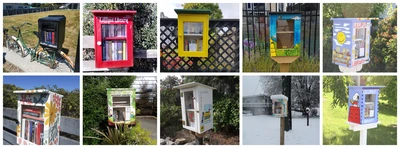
199,45
39,133
104,52
119,50
52,37
123,30
109,47
124,50
115,52
31,131
111,30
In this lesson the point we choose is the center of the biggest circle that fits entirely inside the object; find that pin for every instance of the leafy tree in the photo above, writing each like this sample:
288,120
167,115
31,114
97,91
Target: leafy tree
336,10
95,102
389,92
216,12
145,21
170,96
338,85
384,45
10,99
305,91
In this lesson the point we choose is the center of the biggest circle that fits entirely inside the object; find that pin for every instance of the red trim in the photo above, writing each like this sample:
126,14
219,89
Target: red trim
129,41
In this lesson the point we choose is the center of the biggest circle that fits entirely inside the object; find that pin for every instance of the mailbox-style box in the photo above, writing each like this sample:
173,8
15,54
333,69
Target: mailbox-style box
193,32
351,41
285,35
197,106
52,31
39,116
113,38
279,105
363,104
121,106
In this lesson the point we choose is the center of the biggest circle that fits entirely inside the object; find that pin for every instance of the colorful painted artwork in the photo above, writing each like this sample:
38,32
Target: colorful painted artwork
285,33
279,105
121,106
351,41
39,116
196,103
363,104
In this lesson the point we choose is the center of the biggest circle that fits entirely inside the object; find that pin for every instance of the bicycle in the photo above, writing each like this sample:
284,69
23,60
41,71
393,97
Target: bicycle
17,44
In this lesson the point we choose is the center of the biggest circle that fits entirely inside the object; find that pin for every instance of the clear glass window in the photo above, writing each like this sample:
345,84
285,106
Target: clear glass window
285,34
277,107
114,42
360,43
193,36
369,109
189,106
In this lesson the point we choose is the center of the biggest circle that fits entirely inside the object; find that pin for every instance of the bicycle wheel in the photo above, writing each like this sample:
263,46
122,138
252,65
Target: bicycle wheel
12,44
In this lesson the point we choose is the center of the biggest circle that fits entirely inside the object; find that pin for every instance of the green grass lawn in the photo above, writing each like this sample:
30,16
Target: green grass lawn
71,30
261,62
336,130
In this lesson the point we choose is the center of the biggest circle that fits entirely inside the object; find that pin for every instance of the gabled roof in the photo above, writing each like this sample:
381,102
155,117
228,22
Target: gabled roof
192,84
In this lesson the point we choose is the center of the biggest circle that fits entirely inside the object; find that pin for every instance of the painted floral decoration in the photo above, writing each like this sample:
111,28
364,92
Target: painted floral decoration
18,130
50,113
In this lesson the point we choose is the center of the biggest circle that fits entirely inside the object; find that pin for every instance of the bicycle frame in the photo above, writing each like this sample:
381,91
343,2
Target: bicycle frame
40,55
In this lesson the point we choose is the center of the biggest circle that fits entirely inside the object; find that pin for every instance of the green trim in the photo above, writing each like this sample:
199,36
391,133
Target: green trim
192,11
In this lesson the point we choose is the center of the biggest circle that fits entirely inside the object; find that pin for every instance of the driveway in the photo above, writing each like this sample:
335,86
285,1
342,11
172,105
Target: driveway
150,124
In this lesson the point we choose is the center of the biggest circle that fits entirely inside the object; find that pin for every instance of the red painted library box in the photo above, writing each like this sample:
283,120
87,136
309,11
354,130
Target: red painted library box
113,38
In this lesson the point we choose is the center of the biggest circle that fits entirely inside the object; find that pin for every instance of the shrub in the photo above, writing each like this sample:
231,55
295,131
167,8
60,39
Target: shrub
170,119
226,115
124,135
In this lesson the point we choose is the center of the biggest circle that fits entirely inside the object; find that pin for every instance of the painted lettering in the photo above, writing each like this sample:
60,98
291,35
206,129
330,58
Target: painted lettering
358,62
360,25
114,19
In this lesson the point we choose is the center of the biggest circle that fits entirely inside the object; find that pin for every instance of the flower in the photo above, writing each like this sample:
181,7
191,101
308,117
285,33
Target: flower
18,130
50,113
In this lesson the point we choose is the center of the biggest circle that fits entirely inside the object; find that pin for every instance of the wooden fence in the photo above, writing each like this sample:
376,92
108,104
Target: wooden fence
223,50
68,125
145,60
7,12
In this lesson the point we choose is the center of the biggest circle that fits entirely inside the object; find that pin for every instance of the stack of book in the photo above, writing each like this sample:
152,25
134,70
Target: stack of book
114,30
32,125
113,49
49,37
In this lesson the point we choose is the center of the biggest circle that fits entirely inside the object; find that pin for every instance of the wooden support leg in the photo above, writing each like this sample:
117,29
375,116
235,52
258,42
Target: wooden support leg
284,67
282,141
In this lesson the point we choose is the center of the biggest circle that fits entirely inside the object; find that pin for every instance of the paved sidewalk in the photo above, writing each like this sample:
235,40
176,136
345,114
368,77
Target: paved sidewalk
149,124
26,65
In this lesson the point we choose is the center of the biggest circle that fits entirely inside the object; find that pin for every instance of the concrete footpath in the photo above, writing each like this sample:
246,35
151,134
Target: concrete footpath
150,124
26,65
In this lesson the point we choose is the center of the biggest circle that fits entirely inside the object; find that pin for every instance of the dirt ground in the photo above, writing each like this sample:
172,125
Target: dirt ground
211,138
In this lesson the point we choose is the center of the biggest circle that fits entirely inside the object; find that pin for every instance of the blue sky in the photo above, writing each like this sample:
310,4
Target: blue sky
29,82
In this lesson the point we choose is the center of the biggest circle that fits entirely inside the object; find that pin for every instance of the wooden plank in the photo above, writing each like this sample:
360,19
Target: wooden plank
89,66
70,125
88,42
10,113
9,124
10,139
